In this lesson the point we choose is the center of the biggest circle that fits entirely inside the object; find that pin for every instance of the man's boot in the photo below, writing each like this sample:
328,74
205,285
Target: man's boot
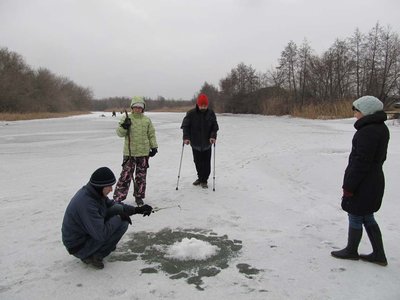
95,261
196,182
351,250
378,253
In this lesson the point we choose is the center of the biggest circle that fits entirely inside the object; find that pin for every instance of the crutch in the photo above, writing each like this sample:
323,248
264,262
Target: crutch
180,165
214,171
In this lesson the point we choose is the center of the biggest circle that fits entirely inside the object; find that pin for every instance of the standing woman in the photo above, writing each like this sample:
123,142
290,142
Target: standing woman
140,144
364,181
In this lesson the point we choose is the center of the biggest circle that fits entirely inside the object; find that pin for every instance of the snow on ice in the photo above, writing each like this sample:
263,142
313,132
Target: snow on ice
274,216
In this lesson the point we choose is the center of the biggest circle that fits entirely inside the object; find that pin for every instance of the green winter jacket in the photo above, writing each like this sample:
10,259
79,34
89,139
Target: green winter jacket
142,135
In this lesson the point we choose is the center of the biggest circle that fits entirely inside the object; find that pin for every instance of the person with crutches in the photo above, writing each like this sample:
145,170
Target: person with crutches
140,144
200,128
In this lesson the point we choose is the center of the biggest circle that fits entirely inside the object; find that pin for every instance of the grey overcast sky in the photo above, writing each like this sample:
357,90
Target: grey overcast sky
170,48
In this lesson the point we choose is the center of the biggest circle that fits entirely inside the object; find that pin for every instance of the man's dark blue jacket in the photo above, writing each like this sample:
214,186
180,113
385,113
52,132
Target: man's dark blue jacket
86,218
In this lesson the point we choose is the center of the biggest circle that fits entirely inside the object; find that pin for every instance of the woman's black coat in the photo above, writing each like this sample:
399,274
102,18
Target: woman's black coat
364,175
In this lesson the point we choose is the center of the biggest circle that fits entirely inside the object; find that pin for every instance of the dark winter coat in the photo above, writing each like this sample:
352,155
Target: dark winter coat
199,127
85,218
364,175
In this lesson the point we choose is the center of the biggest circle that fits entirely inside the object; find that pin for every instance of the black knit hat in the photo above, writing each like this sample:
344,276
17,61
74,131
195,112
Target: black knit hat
102,177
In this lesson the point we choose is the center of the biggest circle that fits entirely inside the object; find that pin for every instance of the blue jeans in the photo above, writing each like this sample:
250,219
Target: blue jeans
357,222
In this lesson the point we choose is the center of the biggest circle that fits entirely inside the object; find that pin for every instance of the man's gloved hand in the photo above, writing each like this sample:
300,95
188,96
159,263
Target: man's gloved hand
127,123
129,210
145,210
125,217
153,151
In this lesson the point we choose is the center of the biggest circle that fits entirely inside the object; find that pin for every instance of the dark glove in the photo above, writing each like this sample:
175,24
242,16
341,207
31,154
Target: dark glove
125,217
153,151
127,123
129,210
145,210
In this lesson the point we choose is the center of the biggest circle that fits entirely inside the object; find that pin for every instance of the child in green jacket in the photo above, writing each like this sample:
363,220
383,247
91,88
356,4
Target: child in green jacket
140,144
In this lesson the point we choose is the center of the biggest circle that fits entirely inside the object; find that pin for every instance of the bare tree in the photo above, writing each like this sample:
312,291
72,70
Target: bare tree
236,87
25,90
371,60
15,82
357,49
389,71
288,67
304,57
342,69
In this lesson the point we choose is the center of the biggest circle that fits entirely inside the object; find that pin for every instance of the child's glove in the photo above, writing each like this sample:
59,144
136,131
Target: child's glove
153,151
127,123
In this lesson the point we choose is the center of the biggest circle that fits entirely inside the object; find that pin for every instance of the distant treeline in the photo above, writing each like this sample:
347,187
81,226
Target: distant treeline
121,103
363,64
24,90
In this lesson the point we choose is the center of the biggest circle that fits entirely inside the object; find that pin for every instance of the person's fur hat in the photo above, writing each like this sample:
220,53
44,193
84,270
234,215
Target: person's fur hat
368,105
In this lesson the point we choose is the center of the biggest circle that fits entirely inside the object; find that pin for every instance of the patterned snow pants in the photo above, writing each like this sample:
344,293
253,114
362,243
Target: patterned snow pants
128,168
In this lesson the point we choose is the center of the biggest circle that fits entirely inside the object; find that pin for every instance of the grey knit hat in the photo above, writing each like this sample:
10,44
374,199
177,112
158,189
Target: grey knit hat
368,105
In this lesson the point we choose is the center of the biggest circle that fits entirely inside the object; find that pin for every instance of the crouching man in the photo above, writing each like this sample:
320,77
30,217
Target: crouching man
93,224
